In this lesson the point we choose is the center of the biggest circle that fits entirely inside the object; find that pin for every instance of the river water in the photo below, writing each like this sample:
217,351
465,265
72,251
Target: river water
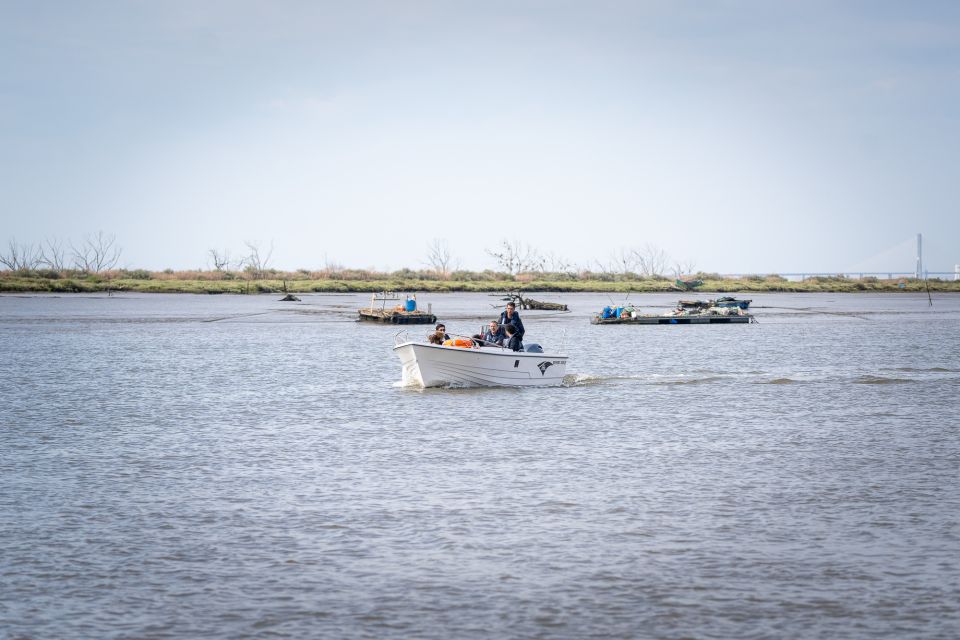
234,466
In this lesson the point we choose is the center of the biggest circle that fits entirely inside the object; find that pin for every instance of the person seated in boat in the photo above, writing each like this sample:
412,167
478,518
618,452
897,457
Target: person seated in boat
513,338
494,334
441,332
434,338
510,317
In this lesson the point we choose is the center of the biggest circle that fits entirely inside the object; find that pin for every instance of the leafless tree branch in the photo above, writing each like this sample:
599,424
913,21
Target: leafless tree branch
220,259
624,261
651,260
18,256
553,263
256,262
516,257
53,255
97,253
439,257
682,268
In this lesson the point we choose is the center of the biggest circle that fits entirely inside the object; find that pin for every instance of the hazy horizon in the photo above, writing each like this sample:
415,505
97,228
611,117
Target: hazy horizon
739,137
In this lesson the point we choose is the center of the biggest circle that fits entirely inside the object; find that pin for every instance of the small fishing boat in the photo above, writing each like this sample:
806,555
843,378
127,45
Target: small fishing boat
728,303
432,365
687,285
725,302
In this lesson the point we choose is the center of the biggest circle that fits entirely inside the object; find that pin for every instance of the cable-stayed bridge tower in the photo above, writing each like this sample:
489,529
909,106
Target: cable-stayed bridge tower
919,256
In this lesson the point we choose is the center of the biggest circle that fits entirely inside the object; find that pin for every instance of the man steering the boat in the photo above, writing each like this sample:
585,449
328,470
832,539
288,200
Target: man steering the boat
514,342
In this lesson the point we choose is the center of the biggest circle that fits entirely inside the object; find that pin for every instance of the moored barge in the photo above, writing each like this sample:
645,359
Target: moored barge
676,319
406,313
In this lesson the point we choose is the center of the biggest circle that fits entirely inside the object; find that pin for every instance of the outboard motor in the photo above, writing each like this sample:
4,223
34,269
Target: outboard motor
533,347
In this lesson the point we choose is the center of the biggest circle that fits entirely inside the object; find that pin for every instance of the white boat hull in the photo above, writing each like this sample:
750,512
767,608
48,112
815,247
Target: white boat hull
430,365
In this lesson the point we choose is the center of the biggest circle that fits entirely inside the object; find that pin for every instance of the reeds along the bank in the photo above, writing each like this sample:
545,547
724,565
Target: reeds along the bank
355,281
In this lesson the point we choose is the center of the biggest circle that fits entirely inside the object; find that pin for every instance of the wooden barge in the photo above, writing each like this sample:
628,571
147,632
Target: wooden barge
406,313
680,319
394,316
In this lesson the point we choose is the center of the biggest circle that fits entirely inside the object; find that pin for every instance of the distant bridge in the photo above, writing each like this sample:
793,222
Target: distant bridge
853,275
863,270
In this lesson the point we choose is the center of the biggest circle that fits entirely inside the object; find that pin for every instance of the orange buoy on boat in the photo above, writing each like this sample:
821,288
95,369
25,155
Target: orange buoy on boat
464,343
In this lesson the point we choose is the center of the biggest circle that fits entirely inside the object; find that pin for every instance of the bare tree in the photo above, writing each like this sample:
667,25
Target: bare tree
20,256
688,267
330,265
553,263
220,259
438,256
96,253
53,255
651,260
624,261
256,261
516,257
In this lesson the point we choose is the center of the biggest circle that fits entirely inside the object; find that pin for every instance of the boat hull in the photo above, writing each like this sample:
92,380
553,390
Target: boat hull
723,303
428,365
733,304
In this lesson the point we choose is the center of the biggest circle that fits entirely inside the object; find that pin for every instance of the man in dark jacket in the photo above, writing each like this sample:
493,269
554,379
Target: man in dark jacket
513,338
511,317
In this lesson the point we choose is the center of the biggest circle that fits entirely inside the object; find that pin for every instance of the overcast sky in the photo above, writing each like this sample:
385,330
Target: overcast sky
742,136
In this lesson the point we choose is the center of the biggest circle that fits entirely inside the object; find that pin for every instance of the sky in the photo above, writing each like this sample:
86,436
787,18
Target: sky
737,136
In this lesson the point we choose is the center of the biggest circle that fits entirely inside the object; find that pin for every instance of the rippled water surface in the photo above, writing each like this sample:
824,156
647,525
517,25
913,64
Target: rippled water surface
224,467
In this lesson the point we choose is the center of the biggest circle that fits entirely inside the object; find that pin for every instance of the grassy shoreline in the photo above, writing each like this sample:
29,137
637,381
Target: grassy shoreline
91,284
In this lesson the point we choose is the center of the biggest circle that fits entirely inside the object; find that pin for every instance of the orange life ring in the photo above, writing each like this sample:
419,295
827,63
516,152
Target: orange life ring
464,343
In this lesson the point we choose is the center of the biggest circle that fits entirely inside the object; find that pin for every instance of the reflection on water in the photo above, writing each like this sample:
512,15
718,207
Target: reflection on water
235,466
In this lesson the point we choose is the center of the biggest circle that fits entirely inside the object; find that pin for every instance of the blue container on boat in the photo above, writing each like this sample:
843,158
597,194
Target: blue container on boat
606,313
411,304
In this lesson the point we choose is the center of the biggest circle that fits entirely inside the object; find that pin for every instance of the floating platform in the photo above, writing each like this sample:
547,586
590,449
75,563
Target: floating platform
393,316
405,313
685,319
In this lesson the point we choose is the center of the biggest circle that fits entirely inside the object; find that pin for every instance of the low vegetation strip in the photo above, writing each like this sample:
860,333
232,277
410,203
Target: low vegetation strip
148,282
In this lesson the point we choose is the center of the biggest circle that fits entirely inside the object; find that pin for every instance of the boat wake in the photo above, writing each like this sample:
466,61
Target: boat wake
704,380
752,377
584,380
782,381
453,386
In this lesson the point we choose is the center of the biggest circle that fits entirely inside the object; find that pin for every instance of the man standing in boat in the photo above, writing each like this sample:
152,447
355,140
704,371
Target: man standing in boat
511,317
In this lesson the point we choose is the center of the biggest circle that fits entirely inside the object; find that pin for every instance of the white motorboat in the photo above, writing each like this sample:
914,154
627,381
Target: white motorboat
431,365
